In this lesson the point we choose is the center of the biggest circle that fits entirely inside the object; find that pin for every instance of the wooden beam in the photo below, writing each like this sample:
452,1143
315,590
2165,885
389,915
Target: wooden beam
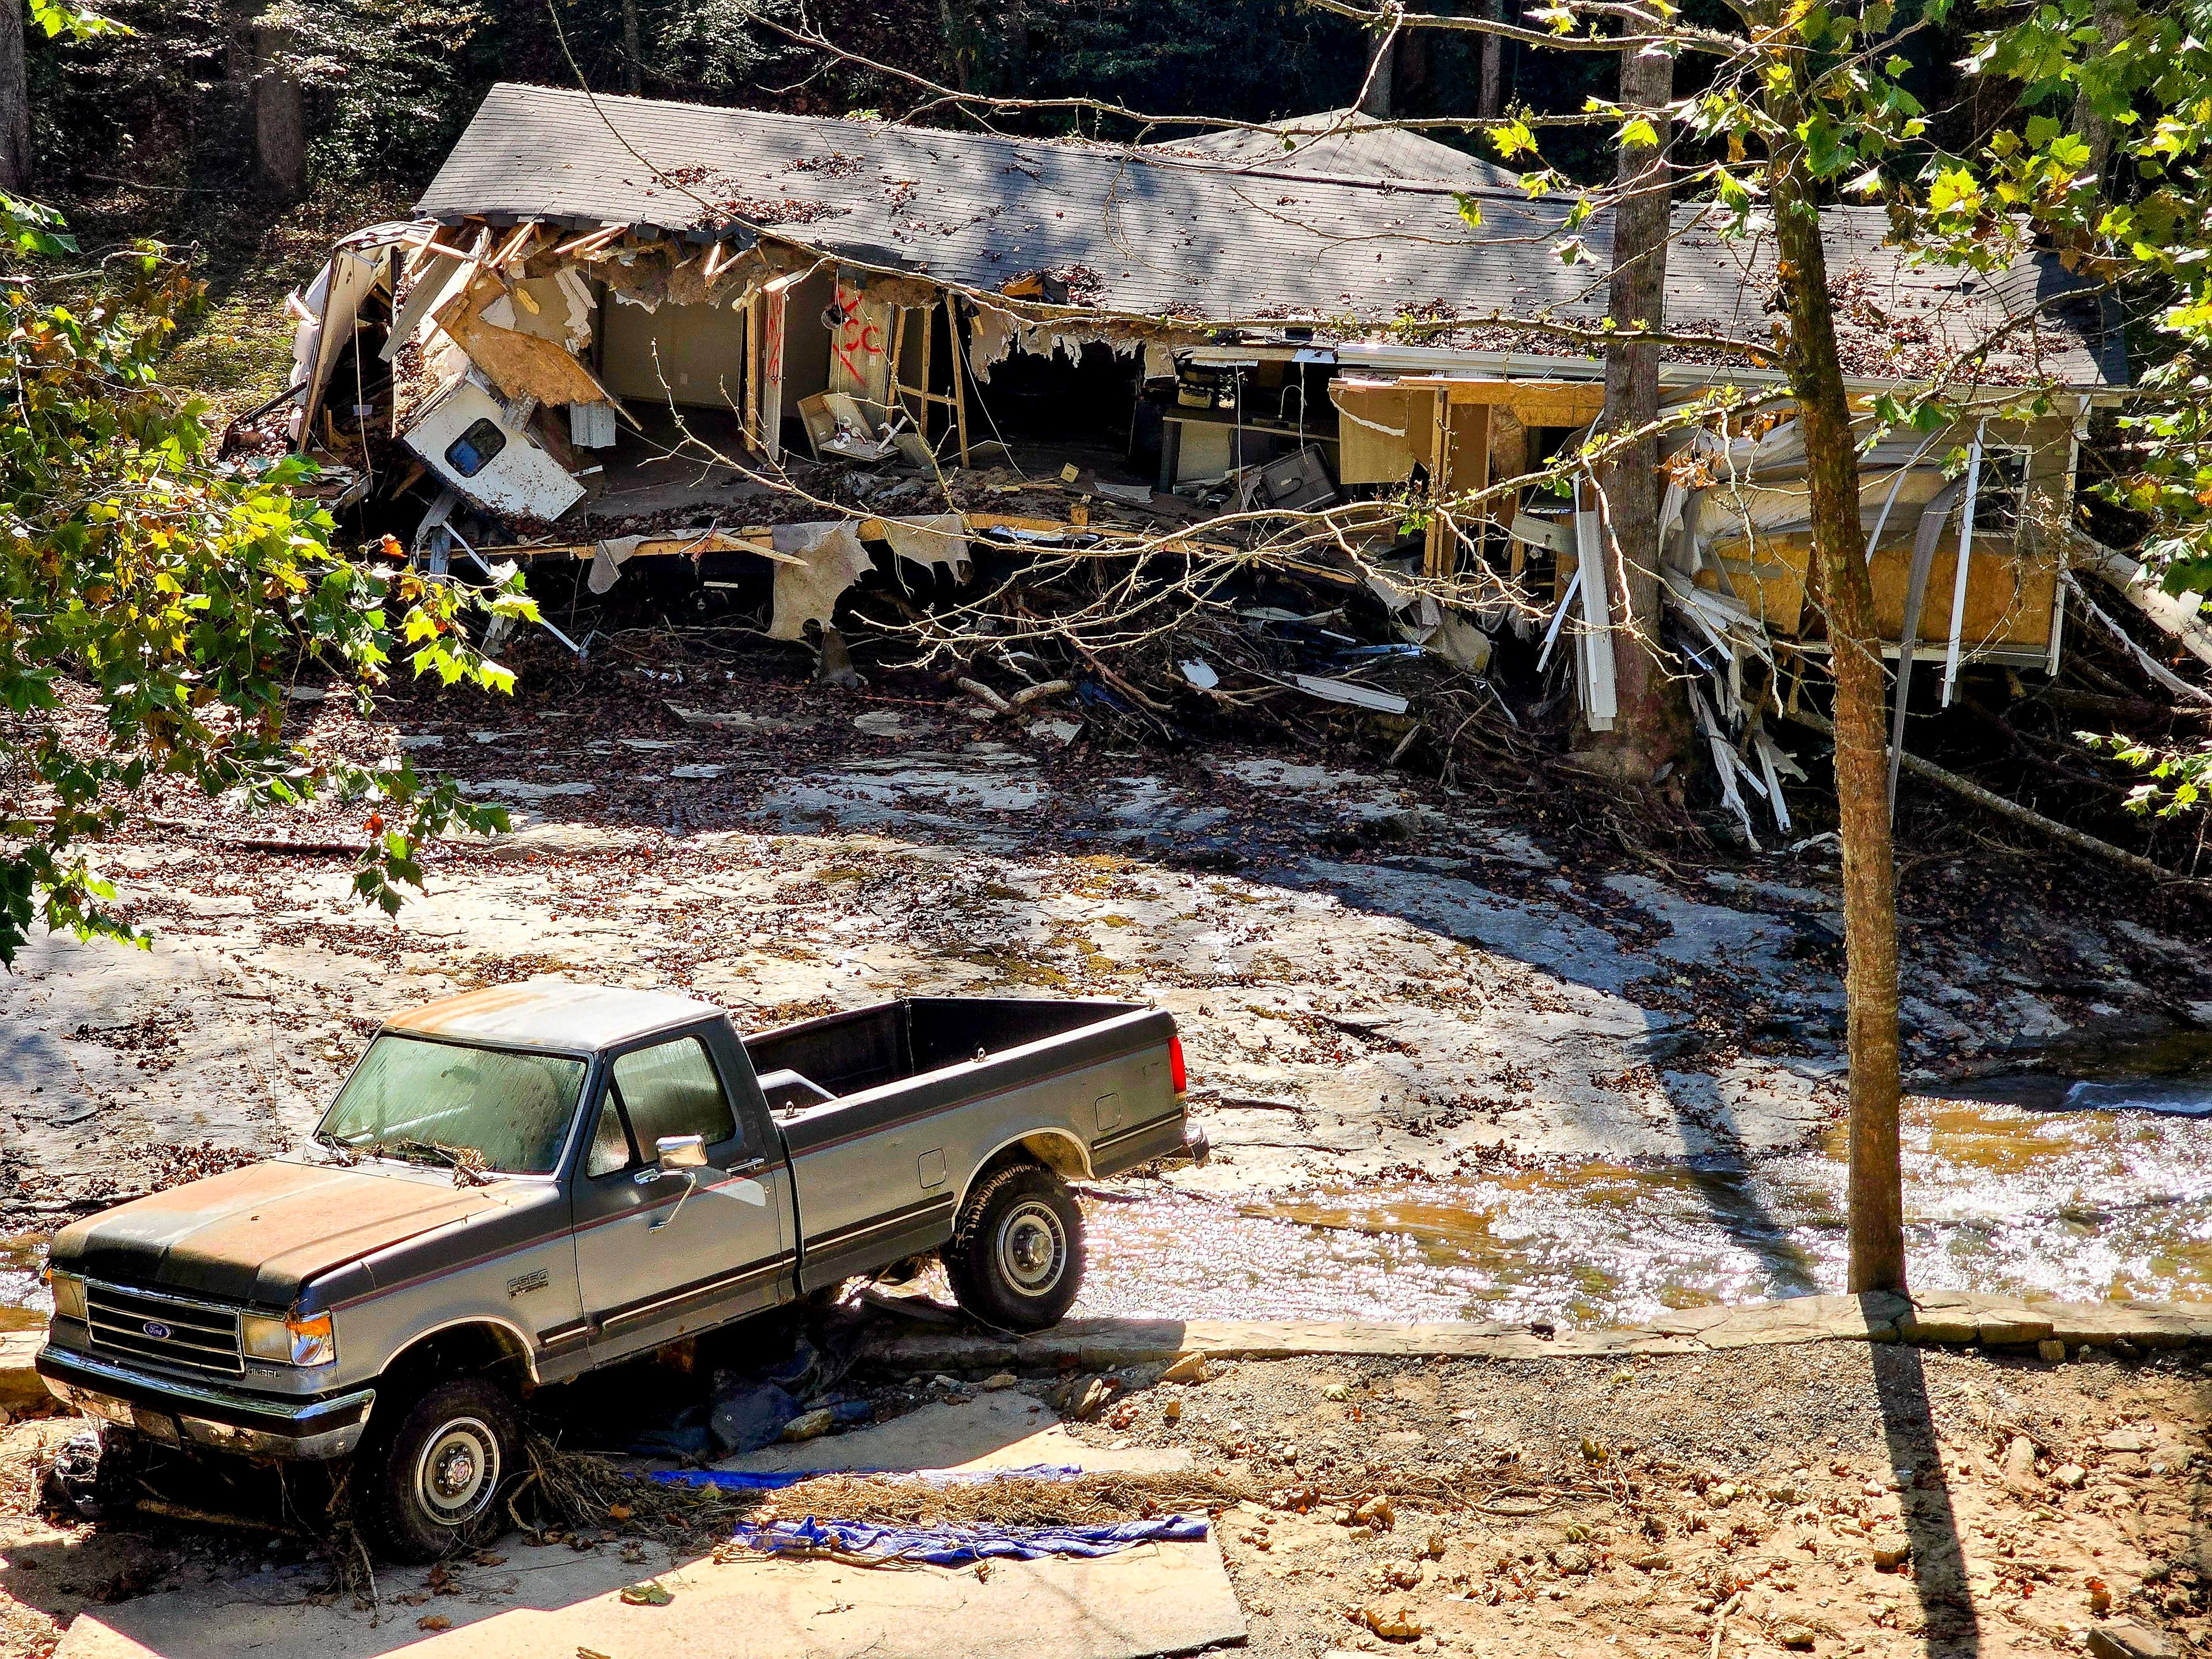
1437,560
752,372
959,377
1533,403
928,336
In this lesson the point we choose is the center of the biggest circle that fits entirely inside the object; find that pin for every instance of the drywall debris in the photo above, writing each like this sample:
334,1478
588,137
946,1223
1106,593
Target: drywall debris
832,561
1460,643
735,720
519,789
939,540
607,560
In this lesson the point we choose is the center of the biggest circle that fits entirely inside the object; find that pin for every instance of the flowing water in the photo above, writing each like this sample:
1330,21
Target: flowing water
2083,1188
2088,1185
23,1299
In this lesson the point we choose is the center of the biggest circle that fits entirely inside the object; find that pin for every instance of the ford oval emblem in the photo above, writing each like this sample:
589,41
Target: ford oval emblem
155,1329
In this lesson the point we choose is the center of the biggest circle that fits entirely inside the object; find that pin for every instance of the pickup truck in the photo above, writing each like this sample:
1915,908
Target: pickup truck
527,1183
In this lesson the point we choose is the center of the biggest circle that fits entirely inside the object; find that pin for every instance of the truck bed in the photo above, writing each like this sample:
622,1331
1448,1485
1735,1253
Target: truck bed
864,1048
894,1099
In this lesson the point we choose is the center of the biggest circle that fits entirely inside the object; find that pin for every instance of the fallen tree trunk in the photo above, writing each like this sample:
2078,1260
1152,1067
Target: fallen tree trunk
1990,801
2159,673
2135,586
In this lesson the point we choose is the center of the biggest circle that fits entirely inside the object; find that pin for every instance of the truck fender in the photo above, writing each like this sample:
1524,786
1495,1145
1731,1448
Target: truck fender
1057,1150
472,1342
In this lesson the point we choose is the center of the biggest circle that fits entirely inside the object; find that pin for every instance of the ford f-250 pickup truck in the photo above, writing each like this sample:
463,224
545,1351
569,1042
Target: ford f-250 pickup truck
526,1182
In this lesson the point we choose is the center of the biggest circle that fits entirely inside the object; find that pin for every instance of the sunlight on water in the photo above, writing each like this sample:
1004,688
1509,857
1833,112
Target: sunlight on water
2083,1203
2075,1204
23,1300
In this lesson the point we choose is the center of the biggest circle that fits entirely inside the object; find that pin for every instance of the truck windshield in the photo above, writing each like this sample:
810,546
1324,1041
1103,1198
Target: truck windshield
444,1103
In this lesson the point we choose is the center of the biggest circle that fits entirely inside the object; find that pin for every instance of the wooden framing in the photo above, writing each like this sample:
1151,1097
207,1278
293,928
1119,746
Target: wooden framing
1533,402
922,396
754,439
1459,460
959,375
1437,558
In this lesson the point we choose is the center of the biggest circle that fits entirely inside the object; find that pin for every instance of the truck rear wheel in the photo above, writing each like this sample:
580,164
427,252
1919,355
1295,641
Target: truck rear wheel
1016,1258
433,1482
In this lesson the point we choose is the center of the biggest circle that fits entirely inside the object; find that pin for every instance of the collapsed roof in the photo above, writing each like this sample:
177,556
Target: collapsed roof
1144,233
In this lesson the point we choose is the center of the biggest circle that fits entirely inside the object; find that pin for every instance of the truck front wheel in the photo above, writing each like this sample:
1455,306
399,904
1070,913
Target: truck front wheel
434,1479
1016,1258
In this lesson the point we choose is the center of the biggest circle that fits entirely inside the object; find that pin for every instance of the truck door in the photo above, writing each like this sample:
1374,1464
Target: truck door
662,1252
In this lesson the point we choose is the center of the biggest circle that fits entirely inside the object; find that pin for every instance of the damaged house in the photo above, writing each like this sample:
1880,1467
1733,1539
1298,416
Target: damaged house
613,321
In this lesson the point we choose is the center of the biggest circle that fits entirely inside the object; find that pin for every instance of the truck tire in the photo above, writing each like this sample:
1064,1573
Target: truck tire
1016,1258
431,1483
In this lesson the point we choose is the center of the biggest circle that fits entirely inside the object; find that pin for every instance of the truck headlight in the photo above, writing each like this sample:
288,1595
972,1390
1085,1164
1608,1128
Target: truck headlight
289,1341
69,1294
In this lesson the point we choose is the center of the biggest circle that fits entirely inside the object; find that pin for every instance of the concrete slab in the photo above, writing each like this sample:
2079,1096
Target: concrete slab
21,1386
1002,1429
547,1604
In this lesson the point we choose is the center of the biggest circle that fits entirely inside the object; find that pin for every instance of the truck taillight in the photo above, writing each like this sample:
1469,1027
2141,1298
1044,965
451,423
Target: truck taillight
1178,1078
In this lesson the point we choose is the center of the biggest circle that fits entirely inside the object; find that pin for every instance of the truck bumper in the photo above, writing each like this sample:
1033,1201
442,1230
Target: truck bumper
179,1413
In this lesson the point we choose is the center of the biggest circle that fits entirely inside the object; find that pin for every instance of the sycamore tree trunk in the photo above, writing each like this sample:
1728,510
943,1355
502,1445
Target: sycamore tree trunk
1651,725
15,100
633,52
1816,377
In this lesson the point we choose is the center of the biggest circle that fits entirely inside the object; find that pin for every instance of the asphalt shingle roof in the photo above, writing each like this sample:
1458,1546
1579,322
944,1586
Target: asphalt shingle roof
1343,143
1144,233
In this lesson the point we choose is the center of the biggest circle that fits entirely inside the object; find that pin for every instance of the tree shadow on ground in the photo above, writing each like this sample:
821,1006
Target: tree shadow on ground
1931,1523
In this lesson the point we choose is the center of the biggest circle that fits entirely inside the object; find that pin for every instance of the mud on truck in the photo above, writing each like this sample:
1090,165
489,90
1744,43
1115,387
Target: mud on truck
527,1183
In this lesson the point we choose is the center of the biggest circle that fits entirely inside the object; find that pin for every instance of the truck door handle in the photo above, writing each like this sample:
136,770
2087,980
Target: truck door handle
747,1167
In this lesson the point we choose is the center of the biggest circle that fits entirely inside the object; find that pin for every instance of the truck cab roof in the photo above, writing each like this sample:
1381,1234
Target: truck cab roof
551,1014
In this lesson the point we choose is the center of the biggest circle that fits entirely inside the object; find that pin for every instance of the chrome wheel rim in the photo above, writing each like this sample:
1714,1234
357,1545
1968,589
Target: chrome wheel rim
457,1473
1032,1248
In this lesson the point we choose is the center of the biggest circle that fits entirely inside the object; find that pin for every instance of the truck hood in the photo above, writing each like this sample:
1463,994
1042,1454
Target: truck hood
261,1233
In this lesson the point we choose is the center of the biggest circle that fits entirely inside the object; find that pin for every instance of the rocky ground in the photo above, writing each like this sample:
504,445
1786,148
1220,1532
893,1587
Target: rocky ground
1837,1499
1732,1505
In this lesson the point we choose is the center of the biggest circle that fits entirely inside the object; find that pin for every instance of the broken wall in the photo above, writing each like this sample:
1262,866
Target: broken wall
690,355
1747,535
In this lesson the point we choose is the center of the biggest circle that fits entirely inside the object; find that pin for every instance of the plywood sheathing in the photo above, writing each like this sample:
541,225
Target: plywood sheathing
521,365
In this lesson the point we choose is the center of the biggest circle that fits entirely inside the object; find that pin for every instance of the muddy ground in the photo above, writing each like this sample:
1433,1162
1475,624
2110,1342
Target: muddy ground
1461,1055
1839,1499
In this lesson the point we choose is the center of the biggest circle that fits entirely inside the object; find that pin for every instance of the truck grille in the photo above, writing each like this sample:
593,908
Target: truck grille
167,1329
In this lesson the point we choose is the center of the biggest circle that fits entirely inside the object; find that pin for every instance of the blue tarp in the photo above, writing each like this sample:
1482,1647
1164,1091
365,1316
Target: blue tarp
957,1546
747,1481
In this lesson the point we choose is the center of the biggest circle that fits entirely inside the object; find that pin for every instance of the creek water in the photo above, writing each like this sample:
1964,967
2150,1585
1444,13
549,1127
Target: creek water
2084,1188
23,1300
2090,1184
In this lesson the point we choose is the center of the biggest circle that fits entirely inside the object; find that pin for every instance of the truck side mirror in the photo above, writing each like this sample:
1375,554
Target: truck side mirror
681,1152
